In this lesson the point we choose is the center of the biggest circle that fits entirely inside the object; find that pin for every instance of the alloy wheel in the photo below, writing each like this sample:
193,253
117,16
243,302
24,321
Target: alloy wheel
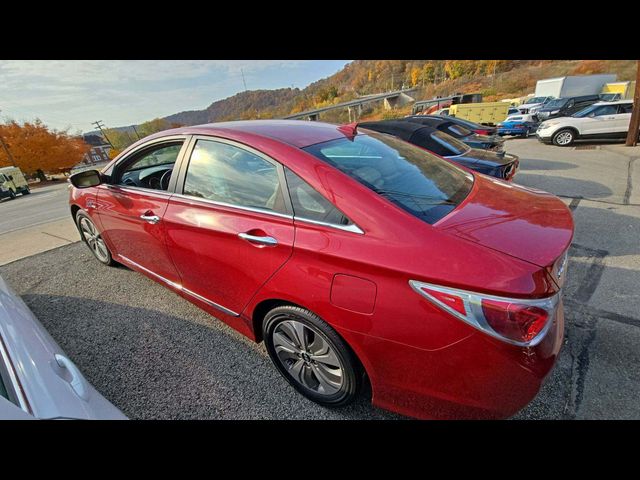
94,240
564,138
307,355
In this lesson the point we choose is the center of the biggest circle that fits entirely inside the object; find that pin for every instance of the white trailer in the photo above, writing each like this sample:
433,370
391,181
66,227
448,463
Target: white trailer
573,86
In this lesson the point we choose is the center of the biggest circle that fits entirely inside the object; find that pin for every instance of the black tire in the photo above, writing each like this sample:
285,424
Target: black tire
564,137
12,195
26,191
351,370
98,247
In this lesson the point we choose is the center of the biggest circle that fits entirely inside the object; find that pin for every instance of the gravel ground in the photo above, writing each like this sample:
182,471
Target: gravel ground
150,352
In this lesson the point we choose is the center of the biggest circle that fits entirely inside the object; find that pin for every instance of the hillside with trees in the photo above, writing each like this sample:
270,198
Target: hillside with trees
495,79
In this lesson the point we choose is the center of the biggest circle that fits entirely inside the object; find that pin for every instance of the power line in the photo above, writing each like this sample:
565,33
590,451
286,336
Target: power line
100,126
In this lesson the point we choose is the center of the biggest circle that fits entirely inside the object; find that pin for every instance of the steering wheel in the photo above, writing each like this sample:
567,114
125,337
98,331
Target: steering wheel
164,180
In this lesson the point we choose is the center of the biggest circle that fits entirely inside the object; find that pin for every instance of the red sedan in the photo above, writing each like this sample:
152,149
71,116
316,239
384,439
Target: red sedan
355,256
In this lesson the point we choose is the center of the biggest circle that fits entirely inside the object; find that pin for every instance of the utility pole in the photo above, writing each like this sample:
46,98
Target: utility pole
136,130
243,80
634,123
100,127
5,147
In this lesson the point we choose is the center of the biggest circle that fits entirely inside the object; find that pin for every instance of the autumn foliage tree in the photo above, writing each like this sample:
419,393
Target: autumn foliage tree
34,146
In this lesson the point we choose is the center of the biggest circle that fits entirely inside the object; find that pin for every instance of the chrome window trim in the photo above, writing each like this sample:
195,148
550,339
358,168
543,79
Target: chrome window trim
230,205
352,227
16,386
179,287
134,189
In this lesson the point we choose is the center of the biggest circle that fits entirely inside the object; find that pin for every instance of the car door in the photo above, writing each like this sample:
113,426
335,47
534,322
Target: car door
229,225
130,207
601,121
621,119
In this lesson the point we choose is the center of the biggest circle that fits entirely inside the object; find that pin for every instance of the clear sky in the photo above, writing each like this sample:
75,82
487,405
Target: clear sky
74,93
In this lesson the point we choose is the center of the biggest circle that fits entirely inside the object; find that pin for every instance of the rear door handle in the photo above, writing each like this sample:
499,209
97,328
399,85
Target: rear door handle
269,241
150,218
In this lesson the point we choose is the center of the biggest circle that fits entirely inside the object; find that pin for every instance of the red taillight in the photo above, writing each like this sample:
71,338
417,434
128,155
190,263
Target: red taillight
452,301
519,125
483,132
521,323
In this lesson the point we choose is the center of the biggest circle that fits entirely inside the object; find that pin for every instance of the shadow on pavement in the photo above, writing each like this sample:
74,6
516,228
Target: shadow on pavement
564,186
154,365
538,164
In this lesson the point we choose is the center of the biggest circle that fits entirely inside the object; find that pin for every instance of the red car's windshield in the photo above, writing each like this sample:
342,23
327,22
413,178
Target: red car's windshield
419,182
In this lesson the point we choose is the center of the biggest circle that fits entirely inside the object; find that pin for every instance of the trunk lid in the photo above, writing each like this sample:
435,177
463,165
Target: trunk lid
528,224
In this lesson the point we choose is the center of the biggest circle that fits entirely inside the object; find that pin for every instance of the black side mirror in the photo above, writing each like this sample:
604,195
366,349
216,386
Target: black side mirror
88,178
11,177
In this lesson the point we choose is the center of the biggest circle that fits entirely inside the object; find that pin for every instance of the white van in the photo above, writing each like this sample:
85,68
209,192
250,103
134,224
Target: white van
12,182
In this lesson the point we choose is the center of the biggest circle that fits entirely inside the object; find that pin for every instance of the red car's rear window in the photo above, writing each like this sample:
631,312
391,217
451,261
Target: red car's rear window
417,181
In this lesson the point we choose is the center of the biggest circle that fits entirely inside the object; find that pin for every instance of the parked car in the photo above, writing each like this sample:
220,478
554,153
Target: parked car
449,126
37,379
565,107
499,165
352,254
12,182
603,120
474,127
520,125
531,105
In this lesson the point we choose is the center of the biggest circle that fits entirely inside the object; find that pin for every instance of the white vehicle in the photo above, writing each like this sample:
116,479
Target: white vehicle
573,86
602,120
531,105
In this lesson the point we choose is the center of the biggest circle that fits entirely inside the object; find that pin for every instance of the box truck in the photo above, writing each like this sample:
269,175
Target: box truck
12,182
618,91
487,113
573,86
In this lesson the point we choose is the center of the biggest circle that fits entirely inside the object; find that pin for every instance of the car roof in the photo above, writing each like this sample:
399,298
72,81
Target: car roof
401,129
298,133
614,102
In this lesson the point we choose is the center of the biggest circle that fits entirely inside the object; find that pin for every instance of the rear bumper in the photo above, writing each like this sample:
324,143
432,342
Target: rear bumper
476,378
513,131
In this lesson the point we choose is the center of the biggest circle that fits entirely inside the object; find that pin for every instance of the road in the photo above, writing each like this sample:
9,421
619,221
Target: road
43,205
156,356
35,223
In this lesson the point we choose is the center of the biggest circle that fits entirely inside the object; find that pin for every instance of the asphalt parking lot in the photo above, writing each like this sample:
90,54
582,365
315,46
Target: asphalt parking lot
156,356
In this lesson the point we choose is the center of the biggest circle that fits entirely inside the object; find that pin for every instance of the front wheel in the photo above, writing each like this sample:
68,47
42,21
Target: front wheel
93,239
311,356
12,195
564,137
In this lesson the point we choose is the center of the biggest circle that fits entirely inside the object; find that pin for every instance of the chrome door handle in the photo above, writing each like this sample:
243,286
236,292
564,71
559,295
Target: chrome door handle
269,241
77,382
150,218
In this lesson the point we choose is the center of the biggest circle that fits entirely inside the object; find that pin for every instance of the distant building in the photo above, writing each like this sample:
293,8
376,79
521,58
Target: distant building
99,152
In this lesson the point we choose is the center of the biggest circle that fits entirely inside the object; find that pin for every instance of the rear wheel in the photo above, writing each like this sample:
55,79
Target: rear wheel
564,137
311,356
92,238
26,191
